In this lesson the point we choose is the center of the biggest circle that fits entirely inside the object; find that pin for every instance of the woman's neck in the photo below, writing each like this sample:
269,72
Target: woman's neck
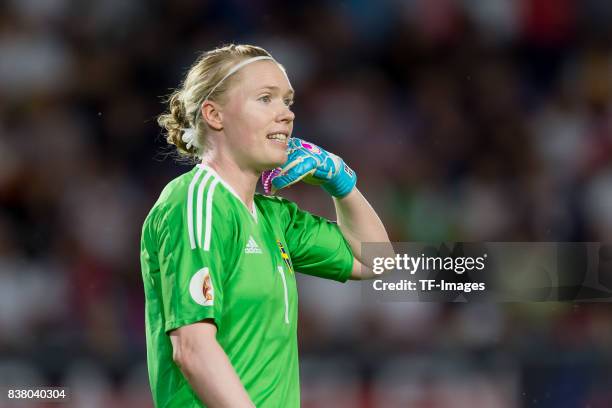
243,181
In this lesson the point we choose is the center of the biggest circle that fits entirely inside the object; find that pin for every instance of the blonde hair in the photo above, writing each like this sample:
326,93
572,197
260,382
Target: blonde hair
184,103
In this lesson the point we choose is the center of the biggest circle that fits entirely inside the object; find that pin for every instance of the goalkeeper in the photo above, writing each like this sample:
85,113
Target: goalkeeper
218,260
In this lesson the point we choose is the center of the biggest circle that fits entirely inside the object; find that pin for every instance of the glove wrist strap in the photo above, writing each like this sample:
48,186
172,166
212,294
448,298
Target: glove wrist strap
343,183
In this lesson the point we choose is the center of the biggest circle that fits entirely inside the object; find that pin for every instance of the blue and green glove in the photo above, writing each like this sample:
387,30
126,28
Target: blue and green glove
313,165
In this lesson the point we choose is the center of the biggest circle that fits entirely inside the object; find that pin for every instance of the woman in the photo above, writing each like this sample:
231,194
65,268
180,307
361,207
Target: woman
218,260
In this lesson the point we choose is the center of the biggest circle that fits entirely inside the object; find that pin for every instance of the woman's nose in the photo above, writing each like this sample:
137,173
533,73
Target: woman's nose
286,115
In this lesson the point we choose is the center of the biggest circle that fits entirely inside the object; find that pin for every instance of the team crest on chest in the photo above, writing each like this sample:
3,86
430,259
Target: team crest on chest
285,255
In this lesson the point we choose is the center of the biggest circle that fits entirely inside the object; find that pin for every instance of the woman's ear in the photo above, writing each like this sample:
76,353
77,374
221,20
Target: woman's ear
211,112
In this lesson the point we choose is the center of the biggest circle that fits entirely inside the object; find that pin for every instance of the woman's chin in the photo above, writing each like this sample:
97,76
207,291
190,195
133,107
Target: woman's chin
277,161
270,165
272,160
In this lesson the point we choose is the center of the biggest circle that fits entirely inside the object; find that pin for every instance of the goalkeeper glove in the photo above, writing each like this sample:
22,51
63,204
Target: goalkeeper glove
313,165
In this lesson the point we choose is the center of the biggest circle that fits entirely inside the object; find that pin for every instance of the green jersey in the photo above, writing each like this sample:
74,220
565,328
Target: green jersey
204,255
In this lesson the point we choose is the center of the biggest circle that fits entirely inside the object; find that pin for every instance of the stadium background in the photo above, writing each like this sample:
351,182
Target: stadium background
466,120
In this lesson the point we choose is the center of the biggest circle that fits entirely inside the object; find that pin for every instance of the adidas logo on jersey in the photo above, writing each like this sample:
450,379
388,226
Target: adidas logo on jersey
252,247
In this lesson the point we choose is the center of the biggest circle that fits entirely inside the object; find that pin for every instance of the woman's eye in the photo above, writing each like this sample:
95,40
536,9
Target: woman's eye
265,98
288,102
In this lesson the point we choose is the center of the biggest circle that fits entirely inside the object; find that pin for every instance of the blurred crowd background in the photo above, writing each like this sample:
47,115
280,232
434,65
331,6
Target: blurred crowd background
465,120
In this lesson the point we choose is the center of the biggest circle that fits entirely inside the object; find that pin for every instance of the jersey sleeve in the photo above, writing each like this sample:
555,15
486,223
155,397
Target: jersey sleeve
316,245
193,263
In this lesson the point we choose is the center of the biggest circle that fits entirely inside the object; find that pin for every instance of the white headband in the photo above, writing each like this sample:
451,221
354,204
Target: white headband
233,70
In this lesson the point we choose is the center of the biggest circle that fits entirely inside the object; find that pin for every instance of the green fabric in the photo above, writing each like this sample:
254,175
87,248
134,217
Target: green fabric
234,272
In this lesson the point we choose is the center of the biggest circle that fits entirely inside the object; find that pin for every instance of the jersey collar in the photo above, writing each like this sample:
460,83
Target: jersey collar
229,188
